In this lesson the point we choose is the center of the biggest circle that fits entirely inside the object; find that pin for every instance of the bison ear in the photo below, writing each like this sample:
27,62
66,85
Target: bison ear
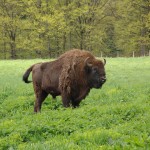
87,65
104,61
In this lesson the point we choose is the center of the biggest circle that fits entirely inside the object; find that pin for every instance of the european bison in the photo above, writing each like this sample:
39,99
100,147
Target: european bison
72,76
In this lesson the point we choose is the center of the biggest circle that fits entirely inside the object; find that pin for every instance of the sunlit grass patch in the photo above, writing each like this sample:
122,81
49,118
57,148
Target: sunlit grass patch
114,117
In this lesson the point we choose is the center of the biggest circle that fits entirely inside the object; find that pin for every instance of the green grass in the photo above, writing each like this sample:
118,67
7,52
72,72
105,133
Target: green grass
115,117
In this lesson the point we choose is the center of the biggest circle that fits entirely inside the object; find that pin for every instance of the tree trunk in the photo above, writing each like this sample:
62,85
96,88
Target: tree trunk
4,50
81,33
70,40
48,46
143,46
4,45
13,50
57,43
64,42
39,3
12,45
81,40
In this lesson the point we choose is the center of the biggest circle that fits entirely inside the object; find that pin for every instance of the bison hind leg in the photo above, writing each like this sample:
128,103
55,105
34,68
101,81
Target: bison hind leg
40,97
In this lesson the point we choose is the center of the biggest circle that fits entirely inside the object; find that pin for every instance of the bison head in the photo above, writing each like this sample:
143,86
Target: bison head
95,73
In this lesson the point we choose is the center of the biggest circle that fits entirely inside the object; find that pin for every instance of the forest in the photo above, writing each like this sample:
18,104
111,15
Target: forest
48,28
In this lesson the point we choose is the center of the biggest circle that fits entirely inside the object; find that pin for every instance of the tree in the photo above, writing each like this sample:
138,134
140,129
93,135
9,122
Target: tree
11,12
130,26
36,28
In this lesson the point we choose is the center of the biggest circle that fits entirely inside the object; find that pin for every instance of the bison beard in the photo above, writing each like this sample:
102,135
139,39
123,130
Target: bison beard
72,76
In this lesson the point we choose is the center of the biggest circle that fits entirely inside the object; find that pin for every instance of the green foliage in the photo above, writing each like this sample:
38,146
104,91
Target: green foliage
130,26
36,28
114,117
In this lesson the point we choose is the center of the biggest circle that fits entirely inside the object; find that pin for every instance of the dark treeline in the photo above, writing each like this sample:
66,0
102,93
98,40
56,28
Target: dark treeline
46,28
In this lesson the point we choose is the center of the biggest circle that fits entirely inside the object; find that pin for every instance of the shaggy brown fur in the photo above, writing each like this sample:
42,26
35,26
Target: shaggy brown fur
72,75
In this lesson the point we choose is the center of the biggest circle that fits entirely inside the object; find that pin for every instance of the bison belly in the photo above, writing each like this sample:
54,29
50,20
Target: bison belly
50,84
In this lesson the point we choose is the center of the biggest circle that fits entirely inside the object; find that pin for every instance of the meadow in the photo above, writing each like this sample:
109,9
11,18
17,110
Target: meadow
114,117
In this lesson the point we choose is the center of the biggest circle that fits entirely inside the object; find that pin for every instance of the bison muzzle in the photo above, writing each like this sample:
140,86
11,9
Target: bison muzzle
72,76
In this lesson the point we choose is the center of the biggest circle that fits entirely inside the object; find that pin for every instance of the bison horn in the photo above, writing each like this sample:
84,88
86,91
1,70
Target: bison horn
87,63
104,61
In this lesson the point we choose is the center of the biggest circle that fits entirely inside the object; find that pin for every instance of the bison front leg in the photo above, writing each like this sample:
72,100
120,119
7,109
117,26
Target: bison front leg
40,97
82,95
65,100
75,104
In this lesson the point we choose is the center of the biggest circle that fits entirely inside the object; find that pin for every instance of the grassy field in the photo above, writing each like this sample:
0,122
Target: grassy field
115,117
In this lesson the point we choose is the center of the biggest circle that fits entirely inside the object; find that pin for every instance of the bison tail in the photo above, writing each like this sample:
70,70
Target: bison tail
26,75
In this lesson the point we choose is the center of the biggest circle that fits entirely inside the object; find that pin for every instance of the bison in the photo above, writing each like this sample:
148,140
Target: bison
72,76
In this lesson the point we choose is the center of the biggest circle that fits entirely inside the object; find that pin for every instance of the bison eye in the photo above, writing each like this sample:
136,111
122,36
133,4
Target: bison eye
95,70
